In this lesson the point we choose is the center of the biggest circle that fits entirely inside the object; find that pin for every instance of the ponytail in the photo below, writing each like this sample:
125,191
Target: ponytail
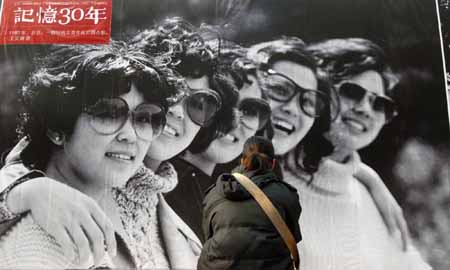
257,162
259,155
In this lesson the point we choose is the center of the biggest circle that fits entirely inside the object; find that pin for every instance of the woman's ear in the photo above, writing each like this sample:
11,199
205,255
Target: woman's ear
57,137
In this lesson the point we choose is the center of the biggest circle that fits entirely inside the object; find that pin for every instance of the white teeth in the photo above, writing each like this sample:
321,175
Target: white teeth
170,131
230,138
284,125
355,124
119,156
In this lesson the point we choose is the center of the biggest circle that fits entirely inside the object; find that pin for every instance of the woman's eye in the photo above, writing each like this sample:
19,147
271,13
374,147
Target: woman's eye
108,114
197,104
143,119
279,90
309,103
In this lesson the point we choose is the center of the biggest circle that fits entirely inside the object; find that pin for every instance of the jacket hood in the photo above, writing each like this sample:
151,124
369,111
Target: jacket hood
231,189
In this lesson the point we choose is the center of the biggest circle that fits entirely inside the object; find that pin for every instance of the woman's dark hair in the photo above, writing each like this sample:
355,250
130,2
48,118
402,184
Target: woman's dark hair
342,59
233,61
226,80
180,43
259,155
185,50
71,77
314,145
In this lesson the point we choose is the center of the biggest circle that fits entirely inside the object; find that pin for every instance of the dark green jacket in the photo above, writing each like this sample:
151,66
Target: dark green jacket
238,233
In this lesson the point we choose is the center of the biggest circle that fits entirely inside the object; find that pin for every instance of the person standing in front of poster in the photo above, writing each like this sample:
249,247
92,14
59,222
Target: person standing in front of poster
238,233
312,146
341,225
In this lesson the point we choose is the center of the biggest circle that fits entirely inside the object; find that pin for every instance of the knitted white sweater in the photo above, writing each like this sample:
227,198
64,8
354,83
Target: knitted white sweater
27,246
341,226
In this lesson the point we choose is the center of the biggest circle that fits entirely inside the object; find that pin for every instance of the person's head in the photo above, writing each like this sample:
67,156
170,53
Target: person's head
299,96
364,81
258,154
93,111
185,50
253,112
224,81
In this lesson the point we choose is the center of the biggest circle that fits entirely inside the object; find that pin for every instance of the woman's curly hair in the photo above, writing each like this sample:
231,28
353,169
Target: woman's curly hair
71,77
186,49
342,59
314,146
180,44
235,64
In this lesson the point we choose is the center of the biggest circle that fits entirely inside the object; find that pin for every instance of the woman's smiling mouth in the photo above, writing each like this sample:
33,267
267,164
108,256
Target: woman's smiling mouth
120,156
172,130
230,138
355,124
283,126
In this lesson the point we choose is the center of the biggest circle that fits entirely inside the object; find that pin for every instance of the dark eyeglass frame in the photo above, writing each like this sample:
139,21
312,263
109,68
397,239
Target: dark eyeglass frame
90,110
186,96
303,92
389,115
262,106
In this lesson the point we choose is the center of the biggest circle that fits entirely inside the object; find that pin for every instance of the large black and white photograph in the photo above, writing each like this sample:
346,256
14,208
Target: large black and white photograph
231,134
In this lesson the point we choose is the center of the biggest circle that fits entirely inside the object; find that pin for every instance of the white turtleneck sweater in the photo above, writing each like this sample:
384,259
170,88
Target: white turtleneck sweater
341,226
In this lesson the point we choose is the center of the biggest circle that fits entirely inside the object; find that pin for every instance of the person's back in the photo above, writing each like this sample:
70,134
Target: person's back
238,234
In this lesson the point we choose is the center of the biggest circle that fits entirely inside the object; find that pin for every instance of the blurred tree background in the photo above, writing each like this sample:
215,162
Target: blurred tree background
412,154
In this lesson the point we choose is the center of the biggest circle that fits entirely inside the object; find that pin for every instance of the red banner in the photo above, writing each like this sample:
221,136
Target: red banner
55,21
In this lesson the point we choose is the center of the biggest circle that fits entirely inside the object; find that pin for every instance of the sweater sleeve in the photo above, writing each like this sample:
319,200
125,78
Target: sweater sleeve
27,246
9,175
13,168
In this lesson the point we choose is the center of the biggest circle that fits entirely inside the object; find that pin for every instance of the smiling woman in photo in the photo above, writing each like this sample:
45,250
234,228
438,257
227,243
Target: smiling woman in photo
215,146
92,112
340,221
186,52
177,44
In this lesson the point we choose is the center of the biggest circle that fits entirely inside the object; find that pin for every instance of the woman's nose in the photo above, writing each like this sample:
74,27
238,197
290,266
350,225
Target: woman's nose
250,121
292,107
364,106
128,132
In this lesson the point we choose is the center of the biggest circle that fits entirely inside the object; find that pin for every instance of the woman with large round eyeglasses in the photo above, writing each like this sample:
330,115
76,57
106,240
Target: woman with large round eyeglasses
297,133
108,115
281,88
211,148
208,96
341,225
91,114
188,111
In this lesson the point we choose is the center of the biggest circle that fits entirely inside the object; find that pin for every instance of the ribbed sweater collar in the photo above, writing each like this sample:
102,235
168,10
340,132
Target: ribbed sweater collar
336,177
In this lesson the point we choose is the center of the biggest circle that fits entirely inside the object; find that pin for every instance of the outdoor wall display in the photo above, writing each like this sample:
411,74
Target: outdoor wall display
118,118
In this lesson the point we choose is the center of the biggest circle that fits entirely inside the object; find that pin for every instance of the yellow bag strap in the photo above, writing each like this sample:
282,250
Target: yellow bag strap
273,215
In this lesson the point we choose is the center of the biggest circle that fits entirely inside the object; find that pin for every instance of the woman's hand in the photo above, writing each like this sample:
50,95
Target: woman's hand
66,214
389,209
